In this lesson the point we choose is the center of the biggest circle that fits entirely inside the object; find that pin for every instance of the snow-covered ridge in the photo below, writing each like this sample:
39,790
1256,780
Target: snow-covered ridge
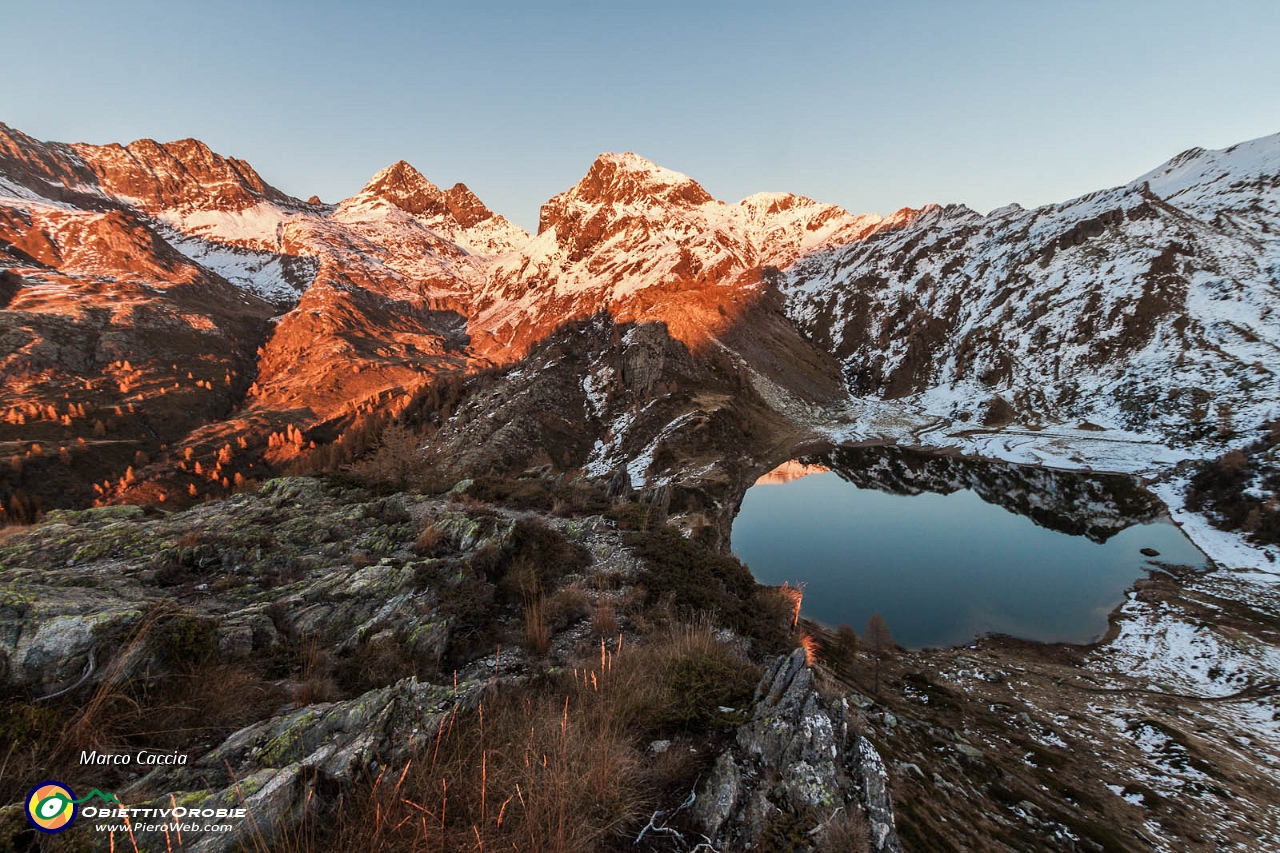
1199,173
644,242
1151,307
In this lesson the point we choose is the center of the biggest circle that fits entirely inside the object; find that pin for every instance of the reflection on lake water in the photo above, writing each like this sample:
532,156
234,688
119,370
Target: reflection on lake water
947,547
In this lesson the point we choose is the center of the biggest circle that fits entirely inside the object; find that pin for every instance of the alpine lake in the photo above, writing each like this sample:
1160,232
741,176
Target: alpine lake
947,548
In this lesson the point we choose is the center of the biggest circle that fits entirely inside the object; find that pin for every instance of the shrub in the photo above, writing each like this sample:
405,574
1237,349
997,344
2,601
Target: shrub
784,833
529,493
678,681
396,460
696,579
698,687
846,831
469,604
376,662
634,516
536,557
567,605
316,679
538,493
843,651
1231,489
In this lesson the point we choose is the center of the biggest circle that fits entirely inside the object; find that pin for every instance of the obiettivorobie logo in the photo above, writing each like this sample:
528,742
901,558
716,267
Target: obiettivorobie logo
52,806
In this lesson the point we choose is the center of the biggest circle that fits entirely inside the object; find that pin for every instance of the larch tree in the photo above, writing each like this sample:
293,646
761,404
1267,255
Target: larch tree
846,646
878,640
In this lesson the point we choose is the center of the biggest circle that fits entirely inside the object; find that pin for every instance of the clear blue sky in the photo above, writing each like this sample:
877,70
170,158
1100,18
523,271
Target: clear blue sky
869,105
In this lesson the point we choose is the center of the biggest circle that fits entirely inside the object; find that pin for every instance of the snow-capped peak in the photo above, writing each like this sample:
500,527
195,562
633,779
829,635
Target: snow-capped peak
627,180
631,163
405,187
772,202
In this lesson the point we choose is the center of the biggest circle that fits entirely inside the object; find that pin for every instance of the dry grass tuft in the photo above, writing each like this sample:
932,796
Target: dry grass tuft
811,648
537,630
556,766
789,598
429,541
316,679
604,620
847,831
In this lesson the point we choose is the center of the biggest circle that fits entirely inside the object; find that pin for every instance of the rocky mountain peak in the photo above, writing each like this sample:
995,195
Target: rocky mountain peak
190,152
466,209
456,215
405,187
629,178
623,180
184,174
36,165
772,203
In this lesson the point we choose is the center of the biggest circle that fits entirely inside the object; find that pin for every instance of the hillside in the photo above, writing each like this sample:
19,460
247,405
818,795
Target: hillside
1149,308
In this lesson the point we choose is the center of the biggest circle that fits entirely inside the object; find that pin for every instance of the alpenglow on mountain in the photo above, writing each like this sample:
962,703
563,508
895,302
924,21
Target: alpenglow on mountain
172,323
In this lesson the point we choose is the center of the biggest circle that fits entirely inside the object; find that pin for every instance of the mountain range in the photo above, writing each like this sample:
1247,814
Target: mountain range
171,324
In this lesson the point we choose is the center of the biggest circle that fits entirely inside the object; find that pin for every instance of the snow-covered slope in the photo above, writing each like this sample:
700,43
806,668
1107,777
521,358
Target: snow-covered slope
1150,307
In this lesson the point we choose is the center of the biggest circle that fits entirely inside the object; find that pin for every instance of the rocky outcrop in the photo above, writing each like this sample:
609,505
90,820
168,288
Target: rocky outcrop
282,769
181,174
296,559
796,767
318,597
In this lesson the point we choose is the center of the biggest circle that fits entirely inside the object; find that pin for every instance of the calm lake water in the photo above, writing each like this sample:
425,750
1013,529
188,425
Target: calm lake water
942,568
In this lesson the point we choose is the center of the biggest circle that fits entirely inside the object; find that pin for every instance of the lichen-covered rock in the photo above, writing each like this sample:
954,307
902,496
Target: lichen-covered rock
794,764
48,636
720,795
267,585
290,561
874,780
275,769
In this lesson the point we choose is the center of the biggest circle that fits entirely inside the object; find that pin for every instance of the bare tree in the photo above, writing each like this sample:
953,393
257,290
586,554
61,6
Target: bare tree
845,651
879,642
